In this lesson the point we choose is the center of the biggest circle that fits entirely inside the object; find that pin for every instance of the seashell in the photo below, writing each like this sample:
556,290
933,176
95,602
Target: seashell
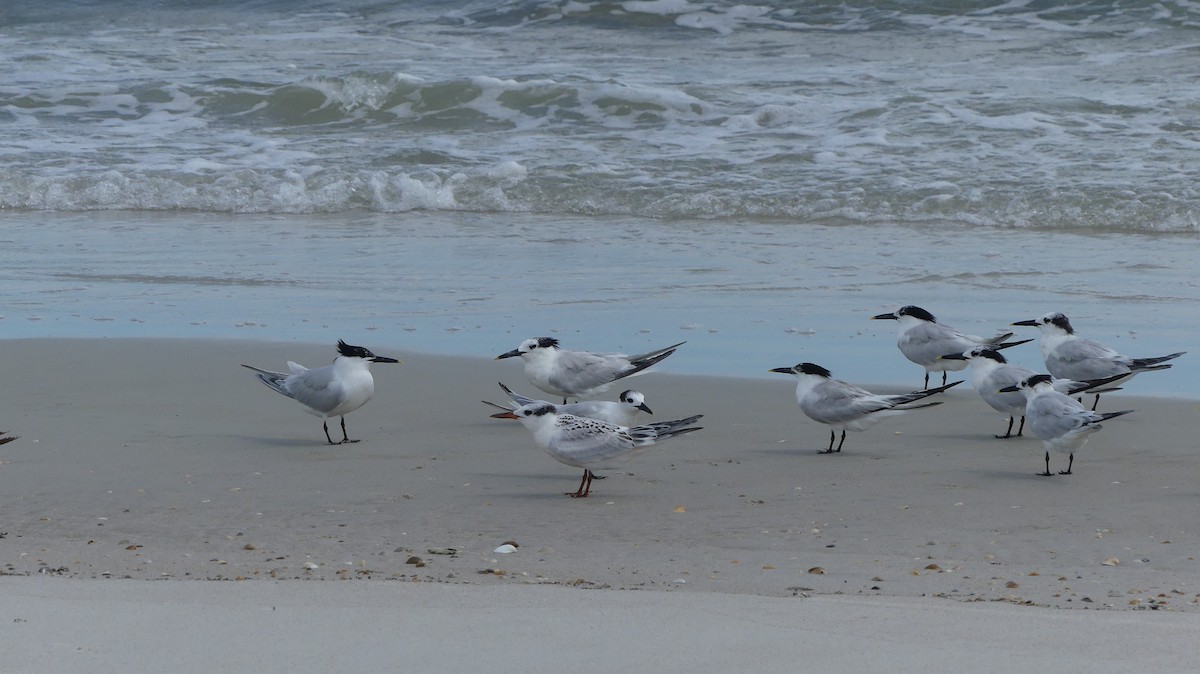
817,571
1111,561
311,566
505,549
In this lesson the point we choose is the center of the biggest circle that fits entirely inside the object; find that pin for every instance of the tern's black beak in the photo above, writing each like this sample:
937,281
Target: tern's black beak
385,359
509,354
1031,323
1009,389
645,408
783,370
952,356
886,317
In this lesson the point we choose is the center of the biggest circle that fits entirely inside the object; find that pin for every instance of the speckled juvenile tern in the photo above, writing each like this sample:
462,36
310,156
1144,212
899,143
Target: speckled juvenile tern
843,406
592,444
1059,421
578,373
1069,356
924,341
330,391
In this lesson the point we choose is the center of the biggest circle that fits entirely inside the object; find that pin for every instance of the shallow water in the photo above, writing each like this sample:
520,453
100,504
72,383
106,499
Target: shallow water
746,296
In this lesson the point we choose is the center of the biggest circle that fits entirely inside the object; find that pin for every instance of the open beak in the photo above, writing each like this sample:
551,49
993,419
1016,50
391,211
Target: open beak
504,415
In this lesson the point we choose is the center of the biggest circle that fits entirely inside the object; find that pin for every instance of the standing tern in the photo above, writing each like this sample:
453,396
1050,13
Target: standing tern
924,341
991,371
1070,356
844,406
330,391
1059,421
622,412
578,373
592,444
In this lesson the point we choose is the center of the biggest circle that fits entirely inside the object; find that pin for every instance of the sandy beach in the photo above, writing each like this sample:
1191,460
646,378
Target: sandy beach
923,542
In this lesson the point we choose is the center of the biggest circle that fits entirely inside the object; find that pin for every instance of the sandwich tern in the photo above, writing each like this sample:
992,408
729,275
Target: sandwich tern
991,371
924,341
1059,421
844,406
1069,356
592,444
579,373
622,412
330,391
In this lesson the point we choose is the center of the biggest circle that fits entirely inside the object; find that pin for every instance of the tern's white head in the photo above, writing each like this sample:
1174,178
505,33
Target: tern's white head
1054,323
532,348
1032,386
907,315
636,400
359,354
984,354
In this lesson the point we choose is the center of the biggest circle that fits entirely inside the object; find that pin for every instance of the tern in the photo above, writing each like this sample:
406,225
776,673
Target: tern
578,373
844,406
1059,421
924,341
622,412
1069,356
592,444
330,391
991,371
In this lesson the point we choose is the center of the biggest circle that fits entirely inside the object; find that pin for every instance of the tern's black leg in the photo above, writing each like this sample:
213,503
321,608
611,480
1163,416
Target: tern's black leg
1047,473
1095,402
345,438
1008,433
832,436
945,373
1022,428
926,379
325,425
1070,462
842,441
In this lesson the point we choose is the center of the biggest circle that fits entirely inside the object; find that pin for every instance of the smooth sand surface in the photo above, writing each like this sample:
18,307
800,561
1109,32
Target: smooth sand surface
165,460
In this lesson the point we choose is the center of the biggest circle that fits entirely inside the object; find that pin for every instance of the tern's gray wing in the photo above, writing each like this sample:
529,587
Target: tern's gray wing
276,380
517,398
925,343
1082,359
833,401
580,371
317,389
593,409
1053,416
1004,376
589,443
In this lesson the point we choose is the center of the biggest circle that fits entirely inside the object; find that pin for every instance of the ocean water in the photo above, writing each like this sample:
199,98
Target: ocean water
758,179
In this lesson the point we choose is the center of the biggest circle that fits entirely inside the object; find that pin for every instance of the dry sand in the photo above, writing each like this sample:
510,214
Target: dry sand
164,460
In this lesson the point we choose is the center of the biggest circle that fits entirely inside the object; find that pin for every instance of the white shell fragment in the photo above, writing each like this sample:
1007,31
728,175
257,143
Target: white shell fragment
505,549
